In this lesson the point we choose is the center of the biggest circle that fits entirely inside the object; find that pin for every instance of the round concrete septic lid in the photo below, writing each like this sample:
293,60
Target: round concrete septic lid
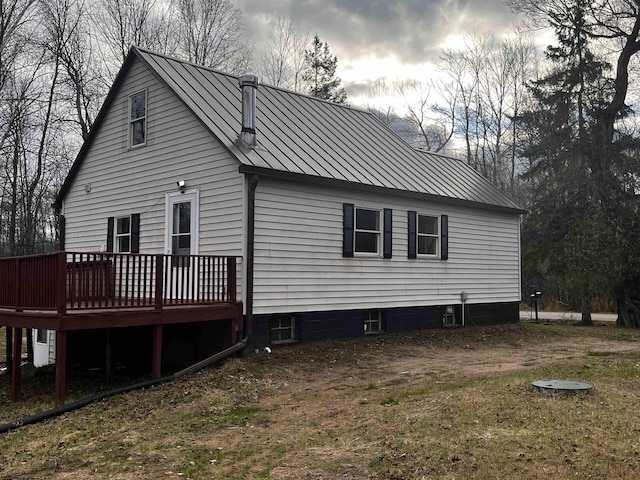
561,386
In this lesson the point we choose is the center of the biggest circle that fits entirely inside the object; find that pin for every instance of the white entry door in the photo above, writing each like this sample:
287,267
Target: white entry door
181,229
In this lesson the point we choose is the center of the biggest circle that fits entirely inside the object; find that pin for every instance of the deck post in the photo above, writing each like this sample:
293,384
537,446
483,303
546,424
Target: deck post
8,347
30,345
61,365
231,278
157,351
107,365
18,286
159,277
17,360
61,283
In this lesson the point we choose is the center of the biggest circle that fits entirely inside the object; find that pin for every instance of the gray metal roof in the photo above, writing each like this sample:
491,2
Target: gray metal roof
302,135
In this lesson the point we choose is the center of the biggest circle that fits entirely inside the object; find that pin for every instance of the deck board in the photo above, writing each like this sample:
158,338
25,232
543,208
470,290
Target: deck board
118,317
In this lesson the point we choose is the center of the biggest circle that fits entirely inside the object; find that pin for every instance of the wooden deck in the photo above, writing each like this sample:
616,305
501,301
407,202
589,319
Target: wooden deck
68,291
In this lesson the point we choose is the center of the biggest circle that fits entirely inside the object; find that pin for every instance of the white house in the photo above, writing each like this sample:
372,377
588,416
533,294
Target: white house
343,228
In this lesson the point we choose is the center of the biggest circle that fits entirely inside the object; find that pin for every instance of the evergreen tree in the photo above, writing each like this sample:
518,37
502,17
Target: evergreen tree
568,190
320,73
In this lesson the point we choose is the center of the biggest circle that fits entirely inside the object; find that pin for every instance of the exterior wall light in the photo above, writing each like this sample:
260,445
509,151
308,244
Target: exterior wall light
182,185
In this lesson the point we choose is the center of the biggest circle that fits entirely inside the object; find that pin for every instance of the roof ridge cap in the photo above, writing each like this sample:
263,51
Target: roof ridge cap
261,84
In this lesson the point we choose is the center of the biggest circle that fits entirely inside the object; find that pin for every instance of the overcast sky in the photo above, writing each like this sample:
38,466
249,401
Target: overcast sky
393,39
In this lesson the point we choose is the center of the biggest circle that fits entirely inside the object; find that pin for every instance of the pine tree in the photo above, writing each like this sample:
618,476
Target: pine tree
568,190
320,73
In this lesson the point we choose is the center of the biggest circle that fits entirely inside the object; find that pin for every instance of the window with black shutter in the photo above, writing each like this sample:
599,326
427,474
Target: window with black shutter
347,229
123,234
412,236
388,234
362,232
428,236
444,238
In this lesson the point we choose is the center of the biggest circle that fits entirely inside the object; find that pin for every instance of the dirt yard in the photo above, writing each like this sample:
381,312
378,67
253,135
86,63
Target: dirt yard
314,400
443,404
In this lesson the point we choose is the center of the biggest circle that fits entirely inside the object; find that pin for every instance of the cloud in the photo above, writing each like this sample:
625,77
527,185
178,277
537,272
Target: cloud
413,31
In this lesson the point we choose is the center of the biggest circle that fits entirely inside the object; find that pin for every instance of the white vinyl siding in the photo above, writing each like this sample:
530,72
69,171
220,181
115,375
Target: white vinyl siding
178,147
299,264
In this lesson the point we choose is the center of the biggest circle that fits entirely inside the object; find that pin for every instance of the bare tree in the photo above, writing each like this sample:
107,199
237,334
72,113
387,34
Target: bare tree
14,14
68,40
456,65
490,79
283,56
433,123
211,34
123,23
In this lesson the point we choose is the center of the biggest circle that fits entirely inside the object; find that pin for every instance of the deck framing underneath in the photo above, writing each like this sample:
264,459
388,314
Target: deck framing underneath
110,318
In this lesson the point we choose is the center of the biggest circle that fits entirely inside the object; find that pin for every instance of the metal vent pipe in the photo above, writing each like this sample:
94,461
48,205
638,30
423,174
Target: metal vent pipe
248,86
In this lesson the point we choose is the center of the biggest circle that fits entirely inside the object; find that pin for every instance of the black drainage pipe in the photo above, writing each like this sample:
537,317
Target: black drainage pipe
57,411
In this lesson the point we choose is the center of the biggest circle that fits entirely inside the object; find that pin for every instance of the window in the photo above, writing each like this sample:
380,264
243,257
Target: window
448,316
373,322
181,226
138,119
123,234
41,335
362,233
367,231
283,328
428,235
181,233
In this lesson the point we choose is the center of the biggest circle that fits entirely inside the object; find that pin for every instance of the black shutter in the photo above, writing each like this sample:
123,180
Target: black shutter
110,223
411,249
347,229
62,228
135,233
444,237
387,237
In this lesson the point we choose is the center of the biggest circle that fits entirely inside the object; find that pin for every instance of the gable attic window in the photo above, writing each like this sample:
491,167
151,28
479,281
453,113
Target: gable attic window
138,119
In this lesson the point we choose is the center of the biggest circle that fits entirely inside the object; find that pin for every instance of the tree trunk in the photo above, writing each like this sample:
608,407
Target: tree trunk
586,311
628,304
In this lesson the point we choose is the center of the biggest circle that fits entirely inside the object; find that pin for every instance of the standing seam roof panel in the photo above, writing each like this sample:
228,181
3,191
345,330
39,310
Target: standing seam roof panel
361,152
313,130
285,146
338,142
293,133
387,159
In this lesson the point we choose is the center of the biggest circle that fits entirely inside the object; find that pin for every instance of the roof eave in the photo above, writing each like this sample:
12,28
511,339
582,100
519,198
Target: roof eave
333,182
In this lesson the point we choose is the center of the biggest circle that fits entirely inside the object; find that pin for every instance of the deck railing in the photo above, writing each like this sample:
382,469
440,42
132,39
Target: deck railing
82,281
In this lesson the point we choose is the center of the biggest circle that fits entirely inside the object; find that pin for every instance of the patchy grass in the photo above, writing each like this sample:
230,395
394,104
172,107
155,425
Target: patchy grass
432,404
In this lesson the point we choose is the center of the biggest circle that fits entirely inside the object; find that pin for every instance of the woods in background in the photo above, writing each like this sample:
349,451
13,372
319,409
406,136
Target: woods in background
555,130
